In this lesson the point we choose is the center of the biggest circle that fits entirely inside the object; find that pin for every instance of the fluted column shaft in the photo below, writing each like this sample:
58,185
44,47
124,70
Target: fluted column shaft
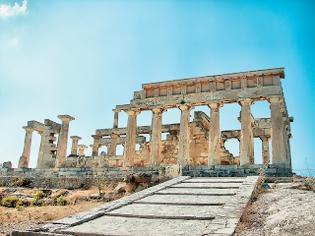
63,140
116,116
113,145
131,138
24,159
265,150
214,134
277,132
96,145
156,137
43,148
74,146
183,158
246,139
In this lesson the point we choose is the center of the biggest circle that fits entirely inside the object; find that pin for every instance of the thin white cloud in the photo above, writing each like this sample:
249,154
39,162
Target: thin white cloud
7,10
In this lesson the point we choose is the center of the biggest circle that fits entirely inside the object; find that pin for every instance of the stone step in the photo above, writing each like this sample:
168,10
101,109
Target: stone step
184,199
169,210
197,191
181,206
207,185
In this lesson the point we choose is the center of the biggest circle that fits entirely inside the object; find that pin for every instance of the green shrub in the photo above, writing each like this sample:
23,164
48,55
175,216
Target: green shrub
9,201
39,194
35,202
20,182
61,201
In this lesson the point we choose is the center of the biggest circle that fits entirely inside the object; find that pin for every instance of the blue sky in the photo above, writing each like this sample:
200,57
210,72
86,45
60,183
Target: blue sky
84,57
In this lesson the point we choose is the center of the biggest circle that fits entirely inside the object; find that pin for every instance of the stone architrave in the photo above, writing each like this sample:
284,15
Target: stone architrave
63,140
156,136
214,135
183,158
246,138
131,138
74,146
24,159
277,132
265,150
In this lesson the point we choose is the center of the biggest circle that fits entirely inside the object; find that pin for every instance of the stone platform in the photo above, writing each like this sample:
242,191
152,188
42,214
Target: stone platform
181,206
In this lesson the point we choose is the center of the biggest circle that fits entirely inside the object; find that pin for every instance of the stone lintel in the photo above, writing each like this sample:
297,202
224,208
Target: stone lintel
75,137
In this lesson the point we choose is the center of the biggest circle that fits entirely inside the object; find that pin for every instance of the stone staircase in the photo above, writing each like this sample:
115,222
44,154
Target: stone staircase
181,206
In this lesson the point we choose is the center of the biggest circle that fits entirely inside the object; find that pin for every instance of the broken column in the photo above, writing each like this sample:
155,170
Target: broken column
116,115
156,136
214,134
265,150
96,145
74,146
131,137
246,138
63,140
115,138
24,159
277,132
82,148
183,140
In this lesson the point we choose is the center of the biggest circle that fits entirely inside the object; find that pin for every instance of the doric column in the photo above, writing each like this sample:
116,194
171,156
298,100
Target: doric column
277,132
63,139
214,134
246,139
24,159
43,149
74,146
265,150
156,136
131,137
116,115
183,158
82,148
96,145
113,145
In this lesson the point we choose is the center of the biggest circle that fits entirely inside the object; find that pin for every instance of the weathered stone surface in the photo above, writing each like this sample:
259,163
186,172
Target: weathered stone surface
129,216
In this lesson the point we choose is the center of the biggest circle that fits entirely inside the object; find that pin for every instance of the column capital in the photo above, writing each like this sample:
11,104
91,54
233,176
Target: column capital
157,110
184,107
115,135
28,129
75,137
215,106
66,118
133,112
82,146
246,102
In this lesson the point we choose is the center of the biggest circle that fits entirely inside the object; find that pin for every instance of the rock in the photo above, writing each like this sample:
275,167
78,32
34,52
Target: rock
7,164
120,188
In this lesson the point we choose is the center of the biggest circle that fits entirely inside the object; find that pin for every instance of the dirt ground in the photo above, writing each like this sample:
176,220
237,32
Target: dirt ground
283,209
13,219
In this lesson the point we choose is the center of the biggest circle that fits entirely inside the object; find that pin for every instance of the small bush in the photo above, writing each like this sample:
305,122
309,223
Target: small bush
9,201
39,194
61,201
35,202
20,182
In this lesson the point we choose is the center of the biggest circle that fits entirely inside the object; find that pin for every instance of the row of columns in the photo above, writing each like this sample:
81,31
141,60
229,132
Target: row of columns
279,149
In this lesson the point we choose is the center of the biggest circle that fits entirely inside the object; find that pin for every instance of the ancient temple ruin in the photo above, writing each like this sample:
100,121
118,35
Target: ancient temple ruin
199,142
